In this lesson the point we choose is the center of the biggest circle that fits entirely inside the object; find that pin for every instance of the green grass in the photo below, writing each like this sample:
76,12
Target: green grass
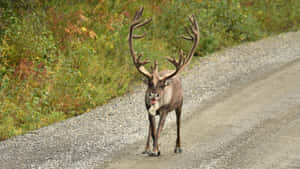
59,59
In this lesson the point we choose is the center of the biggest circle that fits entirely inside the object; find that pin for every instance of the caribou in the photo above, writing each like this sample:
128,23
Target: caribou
164,93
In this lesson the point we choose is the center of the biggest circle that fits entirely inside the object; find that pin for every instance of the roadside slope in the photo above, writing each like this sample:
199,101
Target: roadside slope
94,139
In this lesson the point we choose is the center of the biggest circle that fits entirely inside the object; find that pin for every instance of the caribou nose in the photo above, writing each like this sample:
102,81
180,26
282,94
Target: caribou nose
153,101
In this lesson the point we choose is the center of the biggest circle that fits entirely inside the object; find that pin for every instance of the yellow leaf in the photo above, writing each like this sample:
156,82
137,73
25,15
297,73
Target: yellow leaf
83,29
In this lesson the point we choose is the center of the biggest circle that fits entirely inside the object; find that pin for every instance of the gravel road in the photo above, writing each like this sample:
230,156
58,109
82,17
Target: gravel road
241,110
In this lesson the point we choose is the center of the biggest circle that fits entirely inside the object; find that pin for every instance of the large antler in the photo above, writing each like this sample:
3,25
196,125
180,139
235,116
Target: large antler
136,23
193,35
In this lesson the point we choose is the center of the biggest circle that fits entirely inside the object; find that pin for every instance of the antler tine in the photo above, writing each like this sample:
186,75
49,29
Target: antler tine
186,37
195,22
194,26
144,23
181,57
192,19
141,63
144,62
138,13
188,32
136,23
155,66
139,36
171,59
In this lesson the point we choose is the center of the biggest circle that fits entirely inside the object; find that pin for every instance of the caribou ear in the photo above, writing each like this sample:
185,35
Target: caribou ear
167,82
145,80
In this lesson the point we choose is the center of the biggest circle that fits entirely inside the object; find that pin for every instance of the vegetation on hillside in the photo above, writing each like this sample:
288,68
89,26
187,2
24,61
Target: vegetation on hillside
61,58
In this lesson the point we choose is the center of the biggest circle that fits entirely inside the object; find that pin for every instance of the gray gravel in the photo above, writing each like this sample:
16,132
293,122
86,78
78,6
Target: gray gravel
94,138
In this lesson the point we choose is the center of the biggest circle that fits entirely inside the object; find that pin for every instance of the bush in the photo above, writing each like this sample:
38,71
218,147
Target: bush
221,24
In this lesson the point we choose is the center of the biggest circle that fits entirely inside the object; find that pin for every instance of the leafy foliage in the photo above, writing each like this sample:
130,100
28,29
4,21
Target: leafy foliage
59,59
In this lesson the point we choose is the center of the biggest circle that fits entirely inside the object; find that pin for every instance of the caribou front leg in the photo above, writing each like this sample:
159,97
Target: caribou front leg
151,133
162,120
147,148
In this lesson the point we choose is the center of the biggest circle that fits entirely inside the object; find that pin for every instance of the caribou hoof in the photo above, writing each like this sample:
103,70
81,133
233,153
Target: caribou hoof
178,150
154,154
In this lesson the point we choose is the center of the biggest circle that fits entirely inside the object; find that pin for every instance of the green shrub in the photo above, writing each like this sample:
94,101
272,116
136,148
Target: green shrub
221,23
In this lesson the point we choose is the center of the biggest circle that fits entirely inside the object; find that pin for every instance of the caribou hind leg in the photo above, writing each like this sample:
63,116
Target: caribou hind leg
178,148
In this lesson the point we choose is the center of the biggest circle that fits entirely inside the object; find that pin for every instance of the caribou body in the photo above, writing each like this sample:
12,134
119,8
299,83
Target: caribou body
164,93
